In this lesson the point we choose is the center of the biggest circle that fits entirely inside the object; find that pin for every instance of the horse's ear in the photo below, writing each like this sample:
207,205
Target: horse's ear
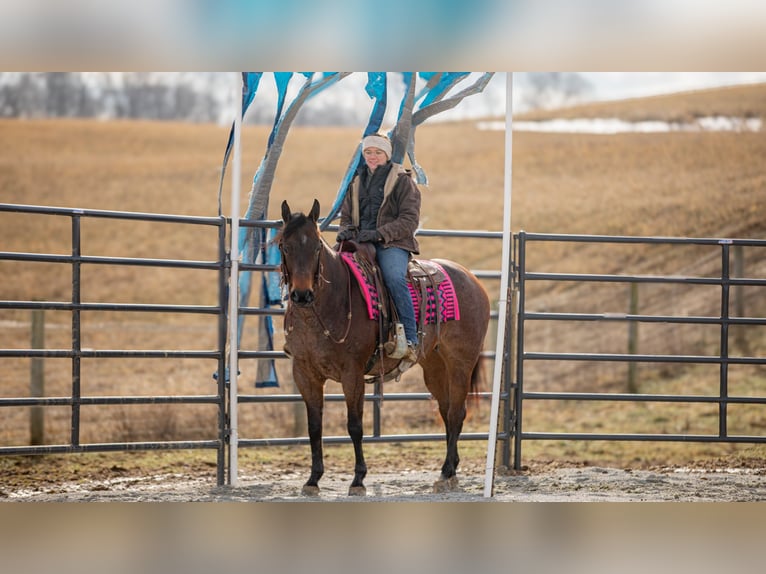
314,214
286,211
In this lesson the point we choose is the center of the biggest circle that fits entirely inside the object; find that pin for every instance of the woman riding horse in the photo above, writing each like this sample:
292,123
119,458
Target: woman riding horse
330,336
382,206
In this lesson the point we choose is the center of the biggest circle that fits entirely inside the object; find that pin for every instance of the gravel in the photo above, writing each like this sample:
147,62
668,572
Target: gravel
584,484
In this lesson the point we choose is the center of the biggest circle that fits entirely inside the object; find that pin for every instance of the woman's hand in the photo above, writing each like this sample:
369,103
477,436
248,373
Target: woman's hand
345,235
369,236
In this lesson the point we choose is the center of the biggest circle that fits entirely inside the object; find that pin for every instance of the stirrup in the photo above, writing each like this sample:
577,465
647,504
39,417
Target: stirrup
409,360
398,348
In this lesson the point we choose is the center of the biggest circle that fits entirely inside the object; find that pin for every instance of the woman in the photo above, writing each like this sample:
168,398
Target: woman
382,206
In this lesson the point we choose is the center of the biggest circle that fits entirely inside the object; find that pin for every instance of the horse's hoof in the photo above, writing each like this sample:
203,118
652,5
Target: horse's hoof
446,484
309,490
357,491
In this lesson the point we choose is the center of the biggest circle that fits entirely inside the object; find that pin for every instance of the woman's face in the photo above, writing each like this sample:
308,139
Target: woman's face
374,157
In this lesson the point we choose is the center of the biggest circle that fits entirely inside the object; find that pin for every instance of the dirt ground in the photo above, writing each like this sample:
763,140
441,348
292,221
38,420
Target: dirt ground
539,483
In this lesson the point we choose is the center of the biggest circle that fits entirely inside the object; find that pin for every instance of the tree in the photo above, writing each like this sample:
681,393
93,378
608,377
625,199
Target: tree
553,89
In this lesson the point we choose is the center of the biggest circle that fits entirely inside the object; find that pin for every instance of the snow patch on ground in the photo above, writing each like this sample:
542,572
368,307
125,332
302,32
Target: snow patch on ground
617,126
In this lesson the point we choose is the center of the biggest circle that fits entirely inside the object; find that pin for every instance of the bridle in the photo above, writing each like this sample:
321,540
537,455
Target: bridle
318,276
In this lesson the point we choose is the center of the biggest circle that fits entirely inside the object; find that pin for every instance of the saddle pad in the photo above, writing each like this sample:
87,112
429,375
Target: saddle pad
450,311
366,285
449,305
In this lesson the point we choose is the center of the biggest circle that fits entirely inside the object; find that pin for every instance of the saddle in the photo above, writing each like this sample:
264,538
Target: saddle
431,289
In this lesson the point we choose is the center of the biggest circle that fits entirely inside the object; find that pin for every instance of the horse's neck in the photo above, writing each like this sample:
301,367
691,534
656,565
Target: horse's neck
332,287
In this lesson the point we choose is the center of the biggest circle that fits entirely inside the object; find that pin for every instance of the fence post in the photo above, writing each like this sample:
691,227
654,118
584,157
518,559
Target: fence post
739,301
633,338
37,380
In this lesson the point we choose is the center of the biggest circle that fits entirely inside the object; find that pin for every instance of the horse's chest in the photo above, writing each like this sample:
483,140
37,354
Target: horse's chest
311,345
307,336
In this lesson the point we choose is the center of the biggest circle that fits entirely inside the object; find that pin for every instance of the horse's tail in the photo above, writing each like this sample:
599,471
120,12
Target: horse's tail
477,381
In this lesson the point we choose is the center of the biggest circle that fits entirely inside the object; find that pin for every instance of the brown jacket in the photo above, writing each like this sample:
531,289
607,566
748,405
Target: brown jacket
399,214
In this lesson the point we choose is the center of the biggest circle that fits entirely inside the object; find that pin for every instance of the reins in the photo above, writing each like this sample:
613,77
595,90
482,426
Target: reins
326,331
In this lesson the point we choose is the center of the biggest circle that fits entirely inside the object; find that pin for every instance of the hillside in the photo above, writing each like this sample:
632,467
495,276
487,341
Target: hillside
746,101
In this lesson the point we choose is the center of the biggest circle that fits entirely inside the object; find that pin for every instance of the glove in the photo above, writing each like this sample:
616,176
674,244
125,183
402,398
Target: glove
345,235
369,236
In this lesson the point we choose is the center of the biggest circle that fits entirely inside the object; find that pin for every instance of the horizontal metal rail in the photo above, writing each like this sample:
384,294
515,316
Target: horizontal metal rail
532,316
108,214
633,239
109,447
371,439
100,260
639,398
644,437
130,307
640,279
637,358
108,354
334,397
87,401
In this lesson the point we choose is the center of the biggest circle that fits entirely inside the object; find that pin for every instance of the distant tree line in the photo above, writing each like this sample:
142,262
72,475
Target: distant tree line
548,90
192,97
73,95
207,97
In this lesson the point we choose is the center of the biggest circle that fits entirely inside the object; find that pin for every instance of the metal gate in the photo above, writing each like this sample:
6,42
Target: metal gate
723,280
75,399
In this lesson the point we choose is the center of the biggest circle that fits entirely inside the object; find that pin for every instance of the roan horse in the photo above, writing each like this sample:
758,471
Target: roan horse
329,336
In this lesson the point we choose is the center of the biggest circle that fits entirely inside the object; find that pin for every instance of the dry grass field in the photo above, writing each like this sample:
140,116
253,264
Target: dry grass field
672,184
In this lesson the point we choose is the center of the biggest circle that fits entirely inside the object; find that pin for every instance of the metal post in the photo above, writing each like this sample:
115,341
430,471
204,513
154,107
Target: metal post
76,334
378,389
37,380
234,291
738,292
724,383
222,331
509,368
633,339
519,391
503,302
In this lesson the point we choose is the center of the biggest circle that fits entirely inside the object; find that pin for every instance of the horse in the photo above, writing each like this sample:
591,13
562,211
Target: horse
328,335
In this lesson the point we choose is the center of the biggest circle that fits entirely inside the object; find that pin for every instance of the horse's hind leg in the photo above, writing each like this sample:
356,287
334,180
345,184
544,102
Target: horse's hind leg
453,422
354,393
450,391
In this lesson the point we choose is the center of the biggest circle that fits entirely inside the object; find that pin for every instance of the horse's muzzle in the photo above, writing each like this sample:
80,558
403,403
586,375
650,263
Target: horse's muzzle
302,297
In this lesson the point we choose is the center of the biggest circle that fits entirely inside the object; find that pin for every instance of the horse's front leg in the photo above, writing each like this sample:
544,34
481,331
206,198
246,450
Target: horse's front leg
353,390
313,397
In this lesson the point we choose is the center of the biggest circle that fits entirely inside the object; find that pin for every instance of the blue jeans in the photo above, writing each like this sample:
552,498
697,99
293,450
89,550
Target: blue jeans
393,266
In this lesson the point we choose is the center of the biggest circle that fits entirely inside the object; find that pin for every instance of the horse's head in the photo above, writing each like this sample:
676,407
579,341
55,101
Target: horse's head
301,246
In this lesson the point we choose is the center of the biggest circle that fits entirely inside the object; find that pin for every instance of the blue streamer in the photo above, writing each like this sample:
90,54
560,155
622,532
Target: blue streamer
250,81
447,80
282,79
